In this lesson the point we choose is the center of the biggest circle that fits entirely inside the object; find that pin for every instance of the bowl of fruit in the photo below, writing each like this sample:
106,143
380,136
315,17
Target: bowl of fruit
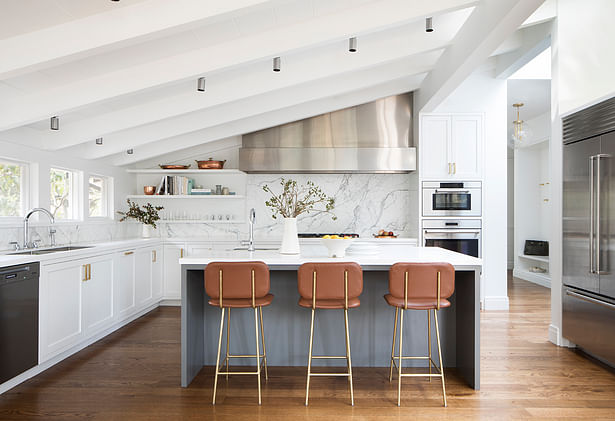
336,244
385,234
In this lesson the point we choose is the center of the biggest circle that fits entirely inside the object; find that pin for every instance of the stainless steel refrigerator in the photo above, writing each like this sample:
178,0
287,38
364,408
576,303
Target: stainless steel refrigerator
589,230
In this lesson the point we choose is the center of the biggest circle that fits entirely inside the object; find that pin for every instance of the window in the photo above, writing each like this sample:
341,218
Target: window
99,188
13,188
63,187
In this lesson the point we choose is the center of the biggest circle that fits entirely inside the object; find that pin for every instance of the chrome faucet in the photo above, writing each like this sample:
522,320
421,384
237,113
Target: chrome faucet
250,242
26,228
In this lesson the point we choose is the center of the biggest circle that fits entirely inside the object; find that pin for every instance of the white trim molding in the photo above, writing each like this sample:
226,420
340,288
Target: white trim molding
496,303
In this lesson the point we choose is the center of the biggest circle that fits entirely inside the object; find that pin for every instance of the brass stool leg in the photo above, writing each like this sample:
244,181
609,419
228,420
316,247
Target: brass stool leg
213,402
401,339
307,387
228,339
348,357
393,347
258,361
435,312
260,309
429,341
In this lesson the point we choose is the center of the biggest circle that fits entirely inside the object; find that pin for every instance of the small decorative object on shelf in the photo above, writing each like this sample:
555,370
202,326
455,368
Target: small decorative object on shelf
293,201
148,215
385,234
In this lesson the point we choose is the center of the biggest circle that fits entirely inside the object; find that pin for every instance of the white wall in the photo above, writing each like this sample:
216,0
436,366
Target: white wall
482,93
68,232
586,55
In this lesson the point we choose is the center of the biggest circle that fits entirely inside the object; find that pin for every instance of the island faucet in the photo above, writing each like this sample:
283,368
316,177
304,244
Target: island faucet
250,242
26,228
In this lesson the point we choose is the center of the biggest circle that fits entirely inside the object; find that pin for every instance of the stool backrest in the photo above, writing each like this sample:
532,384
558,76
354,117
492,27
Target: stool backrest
236,280
432,281
330,281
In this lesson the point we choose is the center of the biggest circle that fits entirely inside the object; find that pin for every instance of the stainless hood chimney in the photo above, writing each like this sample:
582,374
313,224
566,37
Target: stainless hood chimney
370,138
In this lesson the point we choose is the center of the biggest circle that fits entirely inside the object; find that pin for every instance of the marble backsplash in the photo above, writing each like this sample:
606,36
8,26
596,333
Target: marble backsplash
364,203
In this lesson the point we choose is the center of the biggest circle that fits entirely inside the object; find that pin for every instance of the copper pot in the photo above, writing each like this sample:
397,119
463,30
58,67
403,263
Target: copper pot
149,190
210,164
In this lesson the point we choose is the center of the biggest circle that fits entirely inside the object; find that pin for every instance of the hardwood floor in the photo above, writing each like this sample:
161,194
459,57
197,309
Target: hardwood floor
133,374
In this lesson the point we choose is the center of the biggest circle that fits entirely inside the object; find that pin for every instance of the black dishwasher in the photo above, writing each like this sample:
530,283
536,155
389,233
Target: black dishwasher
18,319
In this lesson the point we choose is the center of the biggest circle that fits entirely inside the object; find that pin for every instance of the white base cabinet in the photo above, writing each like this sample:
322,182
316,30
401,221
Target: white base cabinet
172,270
80,298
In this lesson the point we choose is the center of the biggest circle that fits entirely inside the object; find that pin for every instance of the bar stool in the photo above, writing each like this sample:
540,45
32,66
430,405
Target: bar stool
239,285
330,286
419,286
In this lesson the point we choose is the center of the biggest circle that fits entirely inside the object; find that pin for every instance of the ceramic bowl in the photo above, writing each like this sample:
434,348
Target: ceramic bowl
337,246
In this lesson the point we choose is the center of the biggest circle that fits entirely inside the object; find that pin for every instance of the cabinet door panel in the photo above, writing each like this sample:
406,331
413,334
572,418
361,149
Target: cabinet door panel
124,280
466,146
60,305
435,151
97,295
172,271
157,258
143,277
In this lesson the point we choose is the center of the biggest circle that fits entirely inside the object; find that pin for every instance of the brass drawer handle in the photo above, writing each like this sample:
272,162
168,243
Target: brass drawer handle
181,253
126,253
154,256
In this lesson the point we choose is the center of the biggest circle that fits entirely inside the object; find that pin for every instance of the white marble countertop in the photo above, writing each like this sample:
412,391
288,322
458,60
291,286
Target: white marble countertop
382,260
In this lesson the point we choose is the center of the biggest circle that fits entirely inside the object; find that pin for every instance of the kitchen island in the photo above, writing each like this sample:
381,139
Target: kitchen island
371,325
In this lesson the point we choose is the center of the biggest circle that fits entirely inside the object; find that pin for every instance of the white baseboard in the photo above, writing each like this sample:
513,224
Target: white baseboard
510,265
169,302
496,303
62,356
536,278
556,338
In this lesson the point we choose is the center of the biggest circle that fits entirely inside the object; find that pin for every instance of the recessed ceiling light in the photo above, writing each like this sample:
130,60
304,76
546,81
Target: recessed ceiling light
99,140
277,63
429,25
129,151
200,84
352,45
55,123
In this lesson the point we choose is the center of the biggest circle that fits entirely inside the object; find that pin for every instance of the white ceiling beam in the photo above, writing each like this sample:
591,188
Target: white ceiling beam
534,40
279,99
362,19
113,29
188,106
326,104
491,22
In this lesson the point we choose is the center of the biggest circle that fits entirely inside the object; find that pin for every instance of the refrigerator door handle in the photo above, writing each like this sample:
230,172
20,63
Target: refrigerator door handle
591,214
590,299
598,205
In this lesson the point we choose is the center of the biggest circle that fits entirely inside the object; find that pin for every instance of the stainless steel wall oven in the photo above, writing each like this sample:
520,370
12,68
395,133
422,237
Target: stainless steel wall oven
451,198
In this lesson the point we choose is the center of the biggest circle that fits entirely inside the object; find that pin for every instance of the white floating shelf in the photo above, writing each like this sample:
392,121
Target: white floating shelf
543,259
184,196
199,221
188,171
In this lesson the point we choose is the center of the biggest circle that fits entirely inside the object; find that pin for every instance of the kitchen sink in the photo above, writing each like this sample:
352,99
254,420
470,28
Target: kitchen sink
35,252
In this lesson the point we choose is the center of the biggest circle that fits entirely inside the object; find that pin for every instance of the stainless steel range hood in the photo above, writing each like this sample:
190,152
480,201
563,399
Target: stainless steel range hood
370,138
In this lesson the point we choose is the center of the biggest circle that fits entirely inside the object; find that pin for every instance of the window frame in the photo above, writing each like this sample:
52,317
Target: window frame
106,197
77,193
24,190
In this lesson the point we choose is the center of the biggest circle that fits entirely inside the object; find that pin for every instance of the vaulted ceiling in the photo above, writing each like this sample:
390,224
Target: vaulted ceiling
127,71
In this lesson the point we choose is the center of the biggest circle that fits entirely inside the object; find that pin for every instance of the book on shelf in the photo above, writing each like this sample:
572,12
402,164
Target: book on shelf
174,185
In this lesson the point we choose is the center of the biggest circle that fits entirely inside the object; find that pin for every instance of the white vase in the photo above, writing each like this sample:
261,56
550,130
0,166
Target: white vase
148,231
290,240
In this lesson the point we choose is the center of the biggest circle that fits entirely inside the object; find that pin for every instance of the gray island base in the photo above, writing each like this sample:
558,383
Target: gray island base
371,325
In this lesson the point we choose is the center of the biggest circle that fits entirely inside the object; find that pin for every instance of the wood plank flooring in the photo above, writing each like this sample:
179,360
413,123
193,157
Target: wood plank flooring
133,374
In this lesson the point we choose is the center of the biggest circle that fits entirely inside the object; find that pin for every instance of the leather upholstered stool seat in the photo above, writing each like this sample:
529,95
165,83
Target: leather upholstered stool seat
330,286
239,285
419,286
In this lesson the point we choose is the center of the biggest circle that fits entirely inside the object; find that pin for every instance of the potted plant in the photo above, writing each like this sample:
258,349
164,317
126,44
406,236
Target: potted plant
147,215
293,201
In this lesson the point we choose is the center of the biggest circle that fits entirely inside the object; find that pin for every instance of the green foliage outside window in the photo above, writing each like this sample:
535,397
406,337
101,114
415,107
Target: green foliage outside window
61,186
10,190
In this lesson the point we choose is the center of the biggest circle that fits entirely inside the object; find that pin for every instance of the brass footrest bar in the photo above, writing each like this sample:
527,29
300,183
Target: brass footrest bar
238,372
420,375
322,357
330,374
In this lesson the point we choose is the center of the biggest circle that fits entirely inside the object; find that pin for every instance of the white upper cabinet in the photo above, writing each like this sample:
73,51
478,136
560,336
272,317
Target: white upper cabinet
451,146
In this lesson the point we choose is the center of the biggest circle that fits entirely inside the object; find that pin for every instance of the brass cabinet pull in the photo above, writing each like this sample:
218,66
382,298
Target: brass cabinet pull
454,168
126,253
89,271
181,253
85,273
449,167
153,256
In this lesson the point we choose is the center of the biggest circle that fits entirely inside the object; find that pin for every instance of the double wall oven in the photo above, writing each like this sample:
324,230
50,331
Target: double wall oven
451,212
